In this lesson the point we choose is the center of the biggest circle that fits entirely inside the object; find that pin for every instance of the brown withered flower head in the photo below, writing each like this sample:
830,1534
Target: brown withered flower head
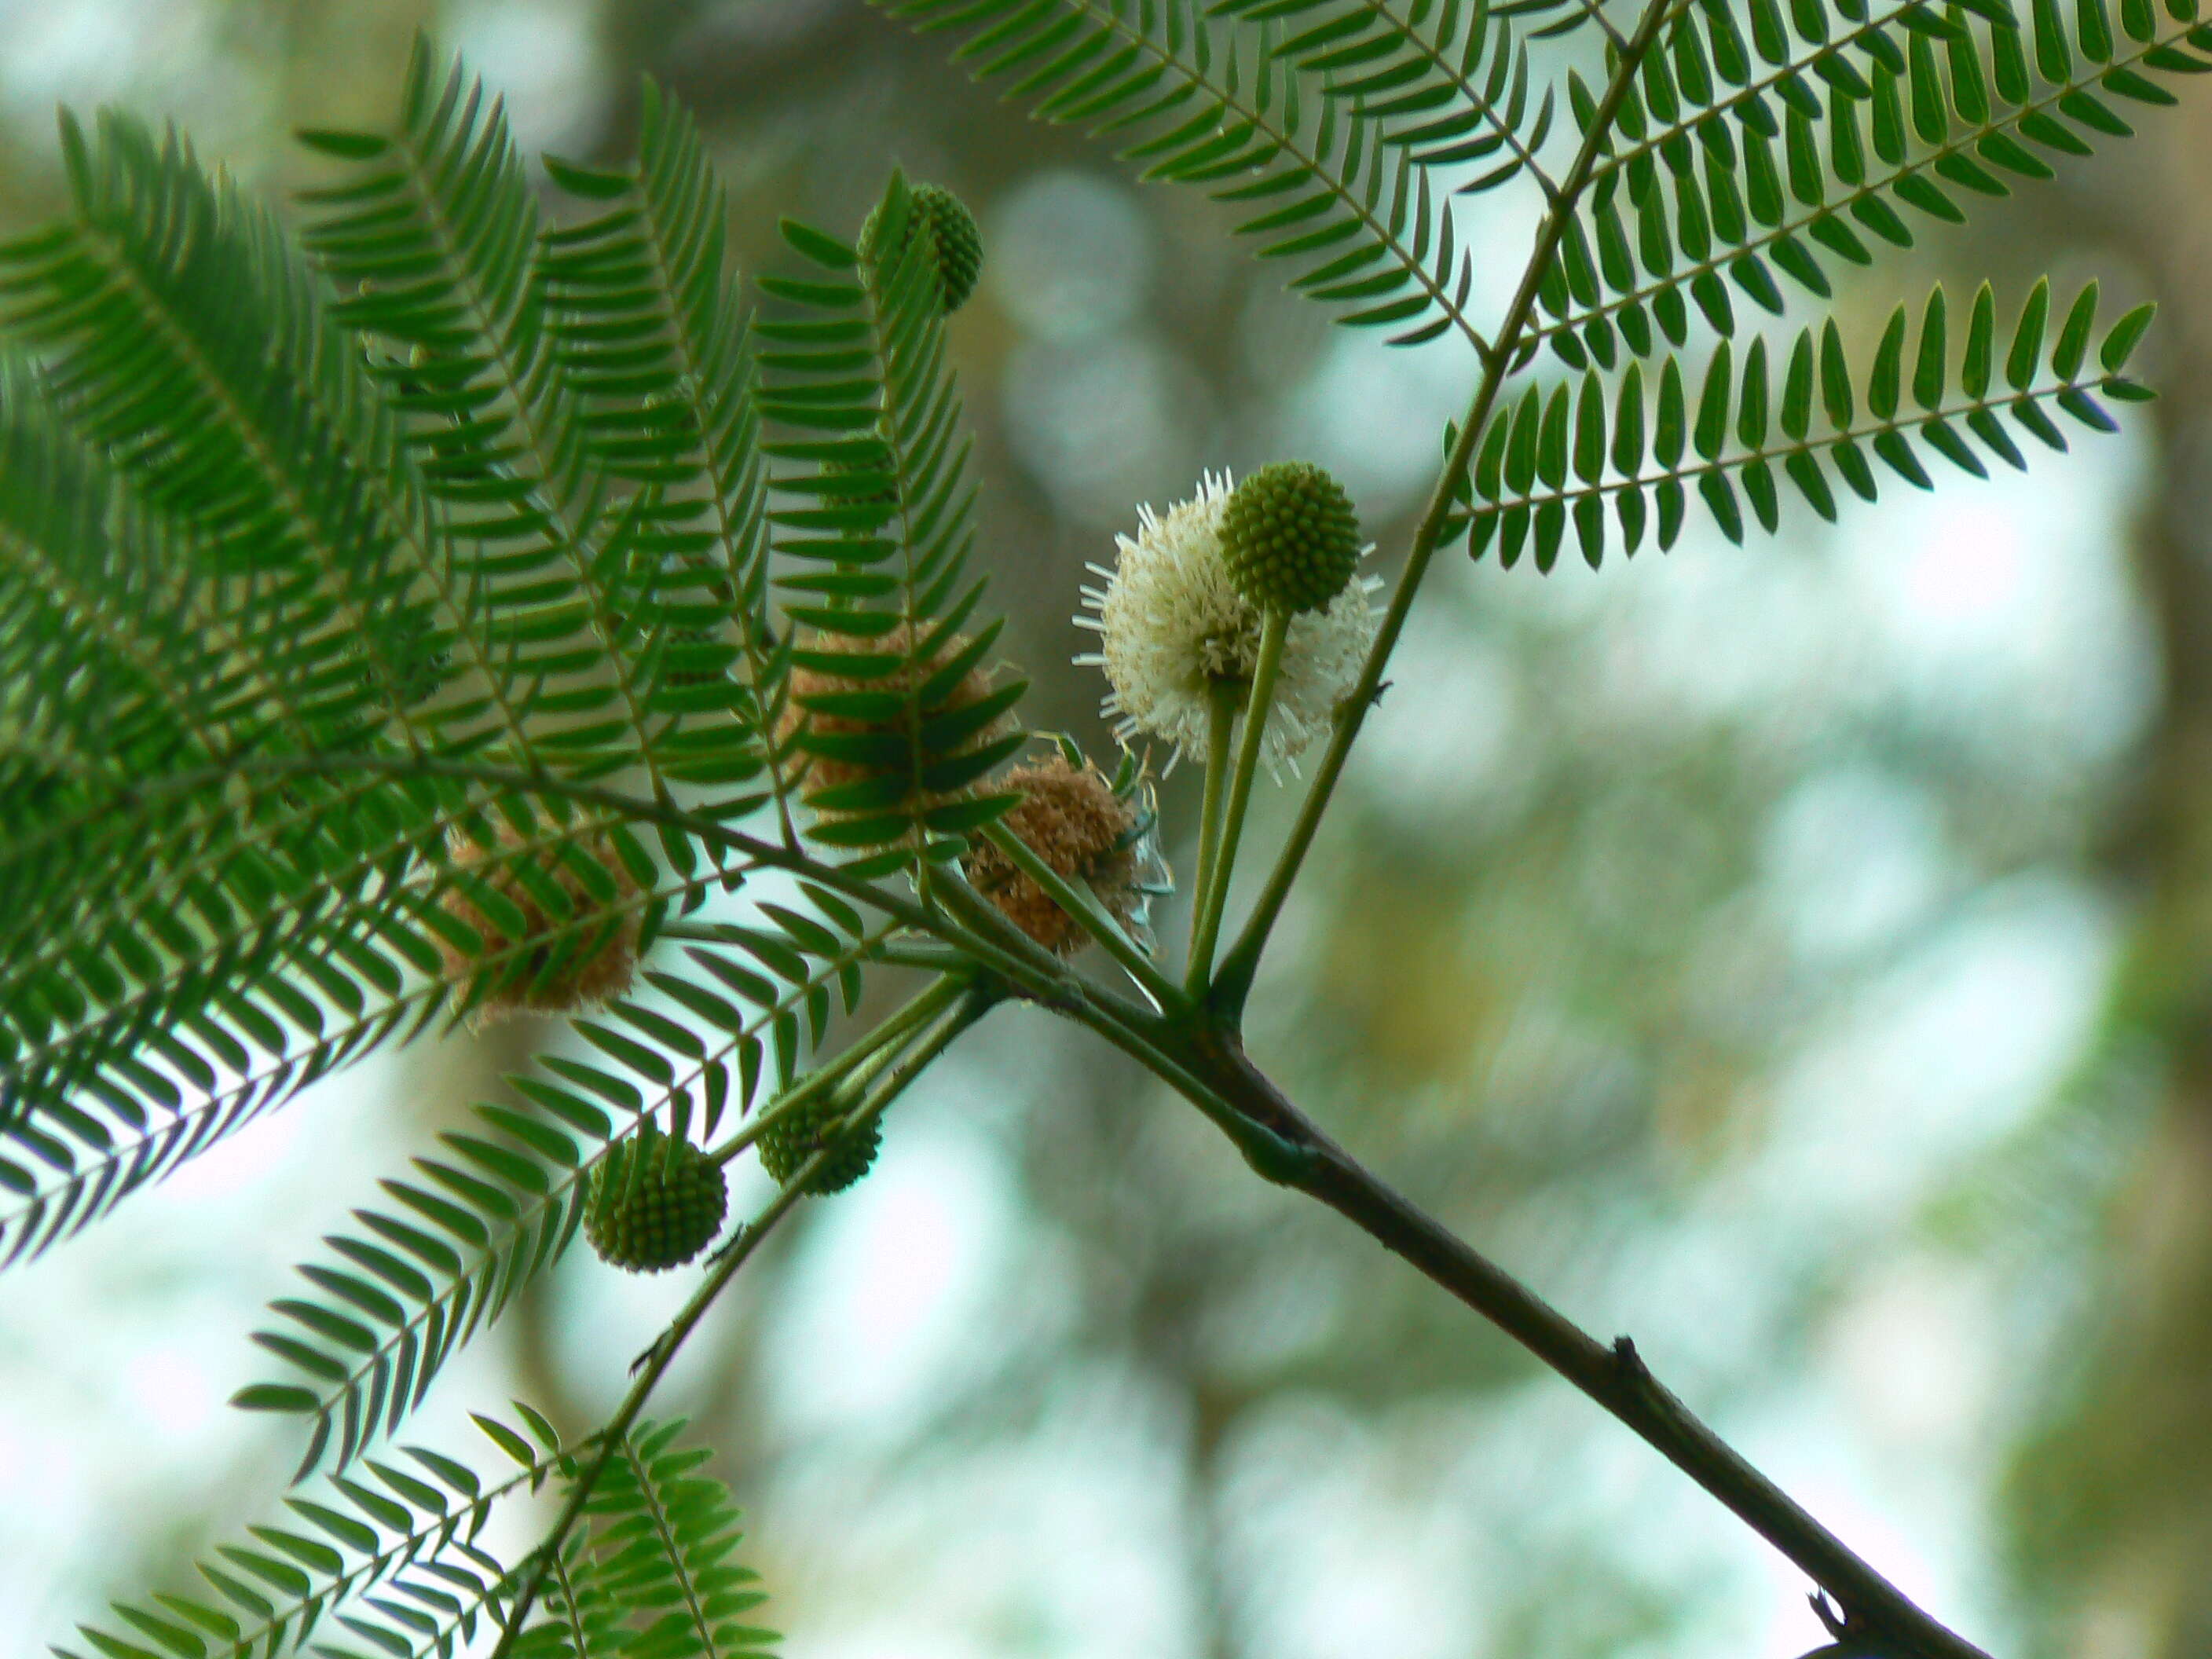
1070,818
844,747
570,953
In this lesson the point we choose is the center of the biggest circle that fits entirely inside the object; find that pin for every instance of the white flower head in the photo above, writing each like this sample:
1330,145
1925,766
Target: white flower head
1171,623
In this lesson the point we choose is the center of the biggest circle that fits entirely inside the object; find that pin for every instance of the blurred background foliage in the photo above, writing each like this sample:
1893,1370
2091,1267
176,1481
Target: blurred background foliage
1798,956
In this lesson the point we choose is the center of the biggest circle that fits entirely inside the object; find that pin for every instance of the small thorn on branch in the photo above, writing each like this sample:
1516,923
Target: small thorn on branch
1832,1618
737,1242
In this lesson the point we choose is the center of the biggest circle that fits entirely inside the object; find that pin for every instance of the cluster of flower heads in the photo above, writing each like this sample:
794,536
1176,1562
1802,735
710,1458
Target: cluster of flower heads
1180,621
1174,621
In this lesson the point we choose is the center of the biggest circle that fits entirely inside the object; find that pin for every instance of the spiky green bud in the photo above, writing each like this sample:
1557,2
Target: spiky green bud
1290,537
657,1201
955,245
786,1144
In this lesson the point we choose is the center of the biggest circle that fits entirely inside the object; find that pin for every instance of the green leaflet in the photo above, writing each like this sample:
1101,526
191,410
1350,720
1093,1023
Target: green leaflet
1752,429
651,1570
503,503
892,721
388,1564
1323,142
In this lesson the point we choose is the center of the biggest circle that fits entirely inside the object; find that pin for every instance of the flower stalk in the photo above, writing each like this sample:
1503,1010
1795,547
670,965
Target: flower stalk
1213,897
1233,983
854,1068
1224,695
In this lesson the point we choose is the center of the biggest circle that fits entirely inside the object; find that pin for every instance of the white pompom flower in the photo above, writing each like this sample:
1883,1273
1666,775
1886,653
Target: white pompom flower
1171,623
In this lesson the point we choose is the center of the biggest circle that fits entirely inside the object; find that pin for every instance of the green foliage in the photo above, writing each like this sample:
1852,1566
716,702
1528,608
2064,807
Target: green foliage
391,1565
1814,143
856,376
1341,189
393,1559
1563,457
496,496
391,617
464,1231
647,1574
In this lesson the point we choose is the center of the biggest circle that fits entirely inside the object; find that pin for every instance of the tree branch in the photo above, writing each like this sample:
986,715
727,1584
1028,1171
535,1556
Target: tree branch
1614,1375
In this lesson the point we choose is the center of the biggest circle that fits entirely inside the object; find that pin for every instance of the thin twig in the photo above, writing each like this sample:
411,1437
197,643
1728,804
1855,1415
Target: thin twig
1214,898
1221,700
894,1030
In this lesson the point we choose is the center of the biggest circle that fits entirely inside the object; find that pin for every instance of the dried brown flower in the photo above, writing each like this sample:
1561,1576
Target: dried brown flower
567,961
1071,818
812,711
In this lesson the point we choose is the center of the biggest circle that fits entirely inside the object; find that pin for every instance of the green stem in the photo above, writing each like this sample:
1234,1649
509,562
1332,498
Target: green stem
1222,698
1215,894
1078,901
926,954
1234,983
972,1007
982,918
885,1040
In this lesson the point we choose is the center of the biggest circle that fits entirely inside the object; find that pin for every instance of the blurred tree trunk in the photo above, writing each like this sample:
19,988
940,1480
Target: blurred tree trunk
2114,1498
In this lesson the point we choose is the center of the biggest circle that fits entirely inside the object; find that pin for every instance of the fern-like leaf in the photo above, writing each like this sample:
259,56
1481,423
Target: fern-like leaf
1315,179
1839,160
1558,460
394,1558
649,1570
858,377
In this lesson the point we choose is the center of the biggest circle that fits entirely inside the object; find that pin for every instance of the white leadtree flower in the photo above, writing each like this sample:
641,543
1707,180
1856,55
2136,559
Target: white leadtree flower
1172,625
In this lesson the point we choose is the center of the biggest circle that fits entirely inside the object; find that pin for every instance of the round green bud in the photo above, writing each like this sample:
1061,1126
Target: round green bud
656,1201
955,246
1290,537
786,1144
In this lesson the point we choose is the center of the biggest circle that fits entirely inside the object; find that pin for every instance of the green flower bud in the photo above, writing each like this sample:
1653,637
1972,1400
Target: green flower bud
955,244
1290,537
656,1201
786,1144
